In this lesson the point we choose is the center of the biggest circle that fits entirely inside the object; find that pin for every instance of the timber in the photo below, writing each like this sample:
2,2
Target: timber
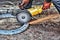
44,19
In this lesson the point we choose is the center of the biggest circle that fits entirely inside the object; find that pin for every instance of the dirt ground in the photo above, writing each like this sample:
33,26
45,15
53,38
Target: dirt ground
47,30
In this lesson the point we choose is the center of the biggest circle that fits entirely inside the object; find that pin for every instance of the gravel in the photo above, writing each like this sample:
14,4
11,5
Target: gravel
48,30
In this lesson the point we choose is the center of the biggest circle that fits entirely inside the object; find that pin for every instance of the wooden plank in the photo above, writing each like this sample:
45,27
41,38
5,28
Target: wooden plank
43,19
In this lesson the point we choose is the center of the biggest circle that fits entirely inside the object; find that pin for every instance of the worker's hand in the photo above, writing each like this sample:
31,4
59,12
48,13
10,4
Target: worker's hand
46,5
20,6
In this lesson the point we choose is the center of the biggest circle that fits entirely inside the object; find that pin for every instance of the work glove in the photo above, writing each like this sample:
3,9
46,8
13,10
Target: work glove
46,5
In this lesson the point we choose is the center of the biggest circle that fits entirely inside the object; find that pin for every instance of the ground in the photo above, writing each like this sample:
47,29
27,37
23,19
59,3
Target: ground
47,30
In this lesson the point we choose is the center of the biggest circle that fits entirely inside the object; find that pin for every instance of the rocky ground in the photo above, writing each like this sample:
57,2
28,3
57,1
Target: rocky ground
47,30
